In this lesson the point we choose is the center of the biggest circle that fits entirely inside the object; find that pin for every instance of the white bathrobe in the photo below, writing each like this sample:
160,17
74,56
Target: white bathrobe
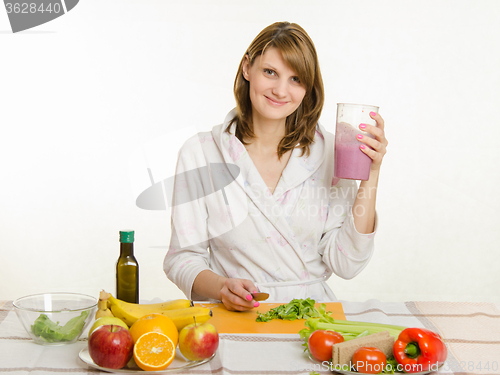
288,243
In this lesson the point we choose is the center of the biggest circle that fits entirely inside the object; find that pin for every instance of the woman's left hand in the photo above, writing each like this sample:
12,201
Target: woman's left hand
377,145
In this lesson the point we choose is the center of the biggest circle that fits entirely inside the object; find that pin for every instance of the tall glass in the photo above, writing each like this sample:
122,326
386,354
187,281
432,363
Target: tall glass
350,161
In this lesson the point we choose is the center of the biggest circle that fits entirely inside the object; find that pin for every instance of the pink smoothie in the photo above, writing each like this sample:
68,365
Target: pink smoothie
350,161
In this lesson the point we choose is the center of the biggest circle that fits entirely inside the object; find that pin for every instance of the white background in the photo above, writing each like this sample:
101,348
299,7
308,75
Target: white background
91,99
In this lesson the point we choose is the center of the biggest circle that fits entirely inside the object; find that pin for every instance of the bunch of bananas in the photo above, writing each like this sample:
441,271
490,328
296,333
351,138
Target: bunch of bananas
180,311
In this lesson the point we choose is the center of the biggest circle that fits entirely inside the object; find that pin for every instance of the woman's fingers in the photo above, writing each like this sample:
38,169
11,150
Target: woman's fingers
376,156
242,288
378,119
373,143
236,294
377,132
375,147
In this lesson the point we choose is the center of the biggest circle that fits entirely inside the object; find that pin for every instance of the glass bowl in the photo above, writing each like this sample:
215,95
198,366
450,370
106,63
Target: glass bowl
55,318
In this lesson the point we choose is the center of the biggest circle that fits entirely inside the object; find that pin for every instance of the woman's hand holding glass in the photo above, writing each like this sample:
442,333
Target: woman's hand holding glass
377,145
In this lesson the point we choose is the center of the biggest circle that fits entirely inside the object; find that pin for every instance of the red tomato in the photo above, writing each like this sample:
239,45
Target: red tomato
369,360
321,343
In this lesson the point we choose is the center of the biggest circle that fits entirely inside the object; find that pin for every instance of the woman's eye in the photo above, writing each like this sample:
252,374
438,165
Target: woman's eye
269,71
296,79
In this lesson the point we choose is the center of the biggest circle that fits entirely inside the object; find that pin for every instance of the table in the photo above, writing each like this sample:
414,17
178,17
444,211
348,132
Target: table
471,332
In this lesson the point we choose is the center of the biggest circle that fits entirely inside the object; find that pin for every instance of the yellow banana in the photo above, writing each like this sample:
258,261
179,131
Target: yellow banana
128,315
180,311
183,317
102,306
180,317
168,305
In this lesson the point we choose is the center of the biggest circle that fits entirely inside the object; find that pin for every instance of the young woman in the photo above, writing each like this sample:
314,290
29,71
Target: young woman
256,205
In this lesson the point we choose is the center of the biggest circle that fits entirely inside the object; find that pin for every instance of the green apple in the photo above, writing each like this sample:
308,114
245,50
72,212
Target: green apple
107,320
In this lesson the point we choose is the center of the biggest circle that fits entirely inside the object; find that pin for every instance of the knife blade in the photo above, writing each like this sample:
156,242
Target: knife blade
260,296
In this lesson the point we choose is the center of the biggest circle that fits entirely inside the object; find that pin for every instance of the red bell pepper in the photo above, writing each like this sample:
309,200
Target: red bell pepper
419,349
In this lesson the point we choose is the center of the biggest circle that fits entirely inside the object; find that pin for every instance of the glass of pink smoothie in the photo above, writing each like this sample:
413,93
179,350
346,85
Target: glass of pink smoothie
350,161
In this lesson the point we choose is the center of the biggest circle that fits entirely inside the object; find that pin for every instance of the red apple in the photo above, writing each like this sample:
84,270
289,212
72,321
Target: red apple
198,341
111,346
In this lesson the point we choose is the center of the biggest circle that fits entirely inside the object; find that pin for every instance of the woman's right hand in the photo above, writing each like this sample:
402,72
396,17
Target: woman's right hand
236,295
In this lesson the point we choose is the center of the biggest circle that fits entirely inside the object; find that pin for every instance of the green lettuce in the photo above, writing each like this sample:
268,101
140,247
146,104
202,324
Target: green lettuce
296,309
49,331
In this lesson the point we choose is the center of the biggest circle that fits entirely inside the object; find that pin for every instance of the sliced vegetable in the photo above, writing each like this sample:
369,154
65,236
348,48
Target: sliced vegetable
296,309
418,349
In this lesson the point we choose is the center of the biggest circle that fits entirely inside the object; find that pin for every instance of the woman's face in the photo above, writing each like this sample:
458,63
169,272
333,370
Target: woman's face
275,90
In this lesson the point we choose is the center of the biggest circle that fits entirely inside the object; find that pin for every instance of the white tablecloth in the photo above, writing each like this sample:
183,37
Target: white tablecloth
471,332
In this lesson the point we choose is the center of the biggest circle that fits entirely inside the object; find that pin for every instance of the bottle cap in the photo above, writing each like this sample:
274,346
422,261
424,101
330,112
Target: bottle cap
127,236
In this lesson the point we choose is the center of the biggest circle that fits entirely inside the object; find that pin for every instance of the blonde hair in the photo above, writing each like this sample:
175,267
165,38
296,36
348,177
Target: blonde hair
299,52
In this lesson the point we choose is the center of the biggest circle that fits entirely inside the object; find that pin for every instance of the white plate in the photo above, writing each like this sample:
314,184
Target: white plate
179,363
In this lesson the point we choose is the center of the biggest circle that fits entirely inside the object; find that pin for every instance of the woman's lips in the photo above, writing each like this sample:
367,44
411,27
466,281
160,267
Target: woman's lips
274,102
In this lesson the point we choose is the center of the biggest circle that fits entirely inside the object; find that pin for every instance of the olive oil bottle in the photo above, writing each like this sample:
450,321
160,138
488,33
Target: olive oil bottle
127,269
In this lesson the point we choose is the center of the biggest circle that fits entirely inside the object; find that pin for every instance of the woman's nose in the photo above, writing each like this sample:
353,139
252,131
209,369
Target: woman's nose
280,88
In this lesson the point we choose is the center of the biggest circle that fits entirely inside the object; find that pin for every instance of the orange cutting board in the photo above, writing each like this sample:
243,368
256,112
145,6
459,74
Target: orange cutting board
244,322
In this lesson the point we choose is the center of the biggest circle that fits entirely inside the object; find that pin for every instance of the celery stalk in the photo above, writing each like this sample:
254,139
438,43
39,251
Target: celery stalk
351,323
348,329
356,327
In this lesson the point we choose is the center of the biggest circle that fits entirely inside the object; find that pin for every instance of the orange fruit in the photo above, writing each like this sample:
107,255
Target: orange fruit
154,351
155,323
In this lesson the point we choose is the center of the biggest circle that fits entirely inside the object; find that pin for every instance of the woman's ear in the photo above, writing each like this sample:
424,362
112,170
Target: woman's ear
246,67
